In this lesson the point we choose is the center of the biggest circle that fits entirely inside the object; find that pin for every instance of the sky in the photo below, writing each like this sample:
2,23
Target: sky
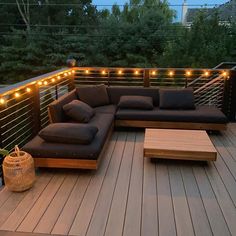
173,2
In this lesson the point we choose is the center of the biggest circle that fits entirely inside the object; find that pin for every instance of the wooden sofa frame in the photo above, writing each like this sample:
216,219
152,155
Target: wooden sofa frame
74,163
170,125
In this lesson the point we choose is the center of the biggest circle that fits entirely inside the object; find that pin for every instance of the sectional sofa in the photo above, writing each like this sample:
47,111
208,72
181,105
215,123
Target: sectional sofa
82,121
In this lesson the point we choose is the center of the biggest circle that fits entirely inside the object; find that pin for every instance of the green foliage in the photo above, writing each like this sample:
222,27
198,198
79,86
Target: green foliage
139,34
206,44
4,152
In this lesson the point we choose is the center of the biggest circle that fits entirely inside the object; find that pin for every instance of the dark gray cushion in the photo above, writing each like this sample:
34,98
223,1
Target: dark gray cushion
69,133
55,109
111,109
38,147
136,102
93,95
79,111
116,92
176,99
202,114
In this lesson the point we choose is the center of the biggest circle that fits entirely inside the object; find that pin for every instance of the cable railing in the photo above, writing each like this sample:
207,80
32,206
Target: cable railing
23,106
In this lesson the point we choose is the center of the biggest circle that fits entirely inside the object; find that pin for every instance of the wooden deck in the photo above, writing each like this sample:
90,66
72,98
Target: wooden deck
130,195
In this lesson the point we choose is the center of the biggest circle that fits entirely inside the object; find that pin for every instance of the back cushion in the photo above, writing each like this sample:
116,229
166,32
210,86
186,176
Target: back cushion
182,99
55,109
79,111
94,96
116,92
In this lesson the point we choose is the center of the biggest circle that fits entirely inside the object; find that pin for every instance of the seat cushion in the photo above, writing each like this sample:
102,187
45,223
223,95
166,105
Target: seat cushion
79,111
110,109
37,147
94,96
136,102
181,99
74,133
202,114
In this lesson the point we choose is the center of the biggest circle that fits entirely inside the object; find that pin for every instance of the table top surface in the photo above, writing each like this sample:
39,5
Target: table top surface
178,140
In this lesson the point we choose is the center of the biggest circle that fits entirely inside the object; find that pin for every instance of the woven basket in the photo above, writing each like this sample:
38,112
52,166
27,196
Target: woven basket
18,171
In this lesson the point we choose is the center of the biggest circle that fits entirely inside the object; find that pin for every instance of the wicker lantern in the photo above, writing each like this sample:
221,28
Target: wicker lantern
18,171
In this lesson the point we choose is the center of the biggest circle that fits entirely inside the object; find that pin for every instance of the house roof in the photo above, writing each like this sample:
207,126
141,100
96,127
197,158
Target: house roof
226,11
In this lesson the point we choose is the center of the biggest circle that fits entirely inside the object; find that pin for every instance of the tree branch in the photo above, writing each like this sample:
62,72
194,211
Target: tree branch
24,15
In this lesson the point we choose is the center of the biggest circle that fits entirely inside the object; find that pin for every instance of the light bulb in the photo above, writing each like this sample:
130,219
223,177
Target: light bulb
58,77
154,72
171,73
87,71
188,73
17,95
45,82
53,80
40,83
225,74
120,72
2,101
28,90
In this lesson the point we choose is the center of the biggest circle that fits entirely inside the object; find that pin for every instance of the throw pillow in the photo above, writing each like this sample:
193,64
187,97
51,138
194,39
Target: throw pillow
177,99
79,111
72,133
94,96
136,102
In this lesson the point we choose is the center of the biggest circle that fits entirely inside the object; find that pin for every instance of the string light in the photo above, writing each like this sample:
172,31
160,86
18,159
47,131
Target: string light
120,72
53,80
188,73
65,74
225,73
103,72
40,83
87,71
73,71
136,72
154,72
2,101
17,95
69,73
171,73
58,77
28,90
45,82
206,73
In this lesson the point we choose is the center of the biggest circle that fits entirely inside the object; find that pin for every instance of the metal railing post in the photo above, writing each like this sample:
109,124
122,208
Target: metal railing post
71,85
36,108
146,79
230,96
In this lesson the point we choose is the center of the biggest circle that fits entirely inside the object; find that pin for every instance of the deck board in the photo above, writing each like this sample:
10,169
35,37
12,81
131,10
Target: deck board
98,223
26,204
85,212
130,195
198,213
183,218
117,212
165,202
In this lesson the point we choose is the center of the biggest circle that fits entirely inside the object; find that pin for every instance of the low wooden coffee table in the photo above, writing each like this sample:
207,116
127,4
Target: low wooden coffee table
179,144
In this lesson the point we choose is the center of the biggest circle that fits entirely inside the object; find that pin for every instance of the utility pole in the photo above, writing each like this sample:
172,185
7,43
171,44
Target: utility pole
184,12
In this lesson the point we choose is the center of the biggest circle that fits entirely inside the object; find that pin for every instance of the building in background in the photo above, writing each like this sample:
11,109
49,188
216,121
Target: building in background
226,11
